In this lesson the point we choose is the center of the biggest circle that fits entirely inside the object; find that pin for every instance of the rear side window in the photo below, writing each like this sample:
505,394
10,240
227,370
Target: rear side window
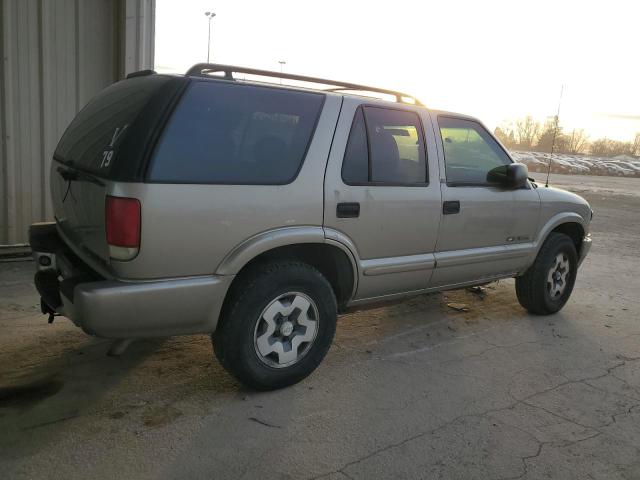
92,140
355,167
236,134
385,147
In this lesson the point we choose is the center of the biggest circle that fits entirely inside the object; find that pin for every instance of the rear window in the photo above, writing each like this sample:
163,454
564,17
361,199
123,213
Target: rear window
236,134
92,140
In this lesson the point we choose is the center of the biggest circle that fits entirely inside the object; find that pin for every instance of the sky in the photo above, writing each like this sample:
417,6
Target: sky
496,60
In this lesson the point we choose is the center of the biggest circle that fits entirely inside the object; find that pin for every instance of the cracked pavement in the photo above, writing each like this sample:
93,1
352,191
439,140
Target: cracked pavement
410,390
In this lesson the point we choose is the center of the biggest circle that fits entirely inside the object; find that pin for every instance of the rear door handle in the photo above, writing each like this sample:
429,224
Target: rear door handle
348,210
450,207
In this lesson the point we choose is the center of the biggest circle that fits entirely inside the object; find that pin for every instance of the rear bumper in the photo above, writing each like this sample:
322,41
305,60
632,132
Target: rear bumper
122,309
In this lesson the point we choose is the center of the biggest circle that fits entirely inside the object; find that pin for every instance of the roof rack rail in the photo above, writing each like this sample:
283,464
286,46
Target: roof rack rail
203,69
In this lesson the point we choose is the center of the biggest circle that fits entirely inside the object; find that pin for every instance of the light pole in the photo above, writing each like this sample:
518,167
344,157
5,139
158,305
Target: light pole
282,63
210,15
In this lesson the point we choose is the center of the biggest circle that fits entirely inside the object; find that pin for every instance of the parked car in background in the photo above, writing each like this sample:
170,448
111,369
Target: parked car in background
618,169
578,164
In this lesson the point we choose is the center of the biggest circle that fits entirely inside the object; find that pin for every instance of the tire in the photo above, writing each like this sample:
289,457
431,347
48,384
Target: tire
275,294
540,290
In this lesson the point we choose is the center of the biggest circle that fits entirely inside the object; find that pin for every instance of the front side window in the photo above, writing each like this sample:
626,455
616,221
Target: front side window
237,134
385,147
469,151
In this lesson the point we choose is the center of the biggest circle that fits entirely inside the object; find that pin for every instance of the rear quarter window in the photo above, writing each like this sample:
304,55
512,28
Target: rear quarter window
236,134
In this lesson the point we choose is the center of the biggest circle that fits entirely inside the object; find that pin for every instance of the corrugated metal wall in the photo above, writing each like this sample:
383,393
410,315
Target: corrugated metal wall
56,56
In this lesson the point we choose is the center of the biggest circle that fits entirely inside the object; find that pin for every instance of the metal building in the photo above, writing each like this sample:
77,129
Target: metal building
56,54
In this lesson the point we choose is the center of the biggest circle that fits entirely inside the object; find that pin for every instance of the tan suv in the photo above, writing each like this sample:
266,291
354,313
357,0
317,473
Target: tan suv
255,212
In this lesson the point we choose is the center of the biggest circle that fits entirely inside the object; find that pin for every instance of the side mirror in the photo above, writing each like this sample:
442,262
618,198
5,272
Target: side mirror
511,176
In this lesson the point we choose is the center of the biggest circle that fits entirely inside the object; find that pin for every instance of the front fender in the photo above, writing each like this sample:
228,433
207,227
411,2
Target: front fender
550,225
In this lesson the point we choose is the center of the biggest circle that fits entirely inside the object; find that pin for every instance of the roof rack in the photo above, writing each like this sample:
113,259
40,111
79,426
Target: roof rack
203,69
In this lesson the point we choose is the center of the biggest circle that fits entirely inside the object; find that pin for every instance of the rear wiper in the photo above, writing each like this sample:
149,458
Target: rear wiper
68,175
74,175
69,163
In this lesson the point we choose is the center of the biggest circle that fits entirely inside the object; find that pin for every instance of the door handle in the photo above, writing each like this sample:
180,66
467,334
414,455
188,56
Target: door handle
348,210
450,207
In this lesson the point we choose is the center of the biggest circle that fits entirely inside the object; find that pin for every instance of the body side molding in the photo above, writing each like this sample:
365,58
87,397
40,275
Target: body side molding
409,263
469,256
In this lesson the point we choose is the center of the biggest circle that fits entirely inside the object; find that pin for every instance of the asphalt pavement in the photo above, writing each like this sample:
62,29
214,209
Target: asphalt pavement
458,385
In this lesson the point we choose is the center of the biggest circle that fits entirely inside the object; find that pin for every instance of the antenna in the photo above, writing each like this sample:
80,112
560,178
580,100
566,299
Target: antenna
555,132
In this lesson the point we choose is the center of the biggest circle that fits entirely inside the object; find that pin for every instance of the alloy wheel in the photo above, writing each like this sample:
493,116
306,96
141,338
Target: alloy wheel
286,329
558,276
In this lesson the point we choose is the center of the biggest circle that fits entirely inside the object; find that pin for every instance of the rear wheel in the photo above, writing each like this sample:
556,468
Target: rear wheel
277,325
547,284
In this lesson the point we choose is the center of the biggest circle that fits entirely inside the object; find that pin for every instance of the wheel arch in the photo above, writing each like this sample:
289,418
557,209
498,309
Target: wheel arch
569,223
306,244
574,231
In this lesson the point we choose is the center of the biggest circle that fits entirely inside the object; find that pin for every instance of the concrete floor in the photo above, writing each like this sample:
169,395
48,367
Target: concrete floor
411,390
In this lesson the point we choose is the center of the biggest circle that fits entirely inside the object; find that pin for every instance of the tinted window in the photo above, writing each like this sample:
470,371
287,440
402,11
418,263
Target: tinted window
469,151
355,166
92,139
385,146
397,149
230,133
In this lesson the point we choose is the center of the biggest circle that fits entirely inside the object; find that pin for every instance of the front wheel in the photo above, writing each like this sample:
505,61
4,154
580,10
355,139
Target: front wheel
277,325
547,284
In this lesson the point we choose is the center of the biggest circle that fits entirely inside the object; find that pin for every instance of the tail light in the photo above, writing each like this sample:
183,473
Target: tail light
123,227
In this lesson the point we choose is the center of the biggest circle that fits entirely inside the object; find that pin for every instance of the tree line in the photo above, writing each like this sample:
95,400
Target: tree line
530,135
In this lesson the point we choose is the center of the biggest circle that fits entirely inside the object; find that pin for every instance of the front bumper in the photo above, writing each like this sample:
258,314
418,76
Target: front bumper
584,248
117,308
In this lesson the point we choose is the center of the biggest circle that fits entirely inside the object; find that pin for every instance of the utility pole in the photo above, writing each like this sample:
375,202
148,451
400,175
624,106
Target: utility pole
282,63
210,15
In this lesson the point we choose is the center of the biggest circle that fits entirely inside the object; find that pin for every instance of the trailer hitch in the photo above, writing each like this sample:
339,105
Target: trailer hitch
47,310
